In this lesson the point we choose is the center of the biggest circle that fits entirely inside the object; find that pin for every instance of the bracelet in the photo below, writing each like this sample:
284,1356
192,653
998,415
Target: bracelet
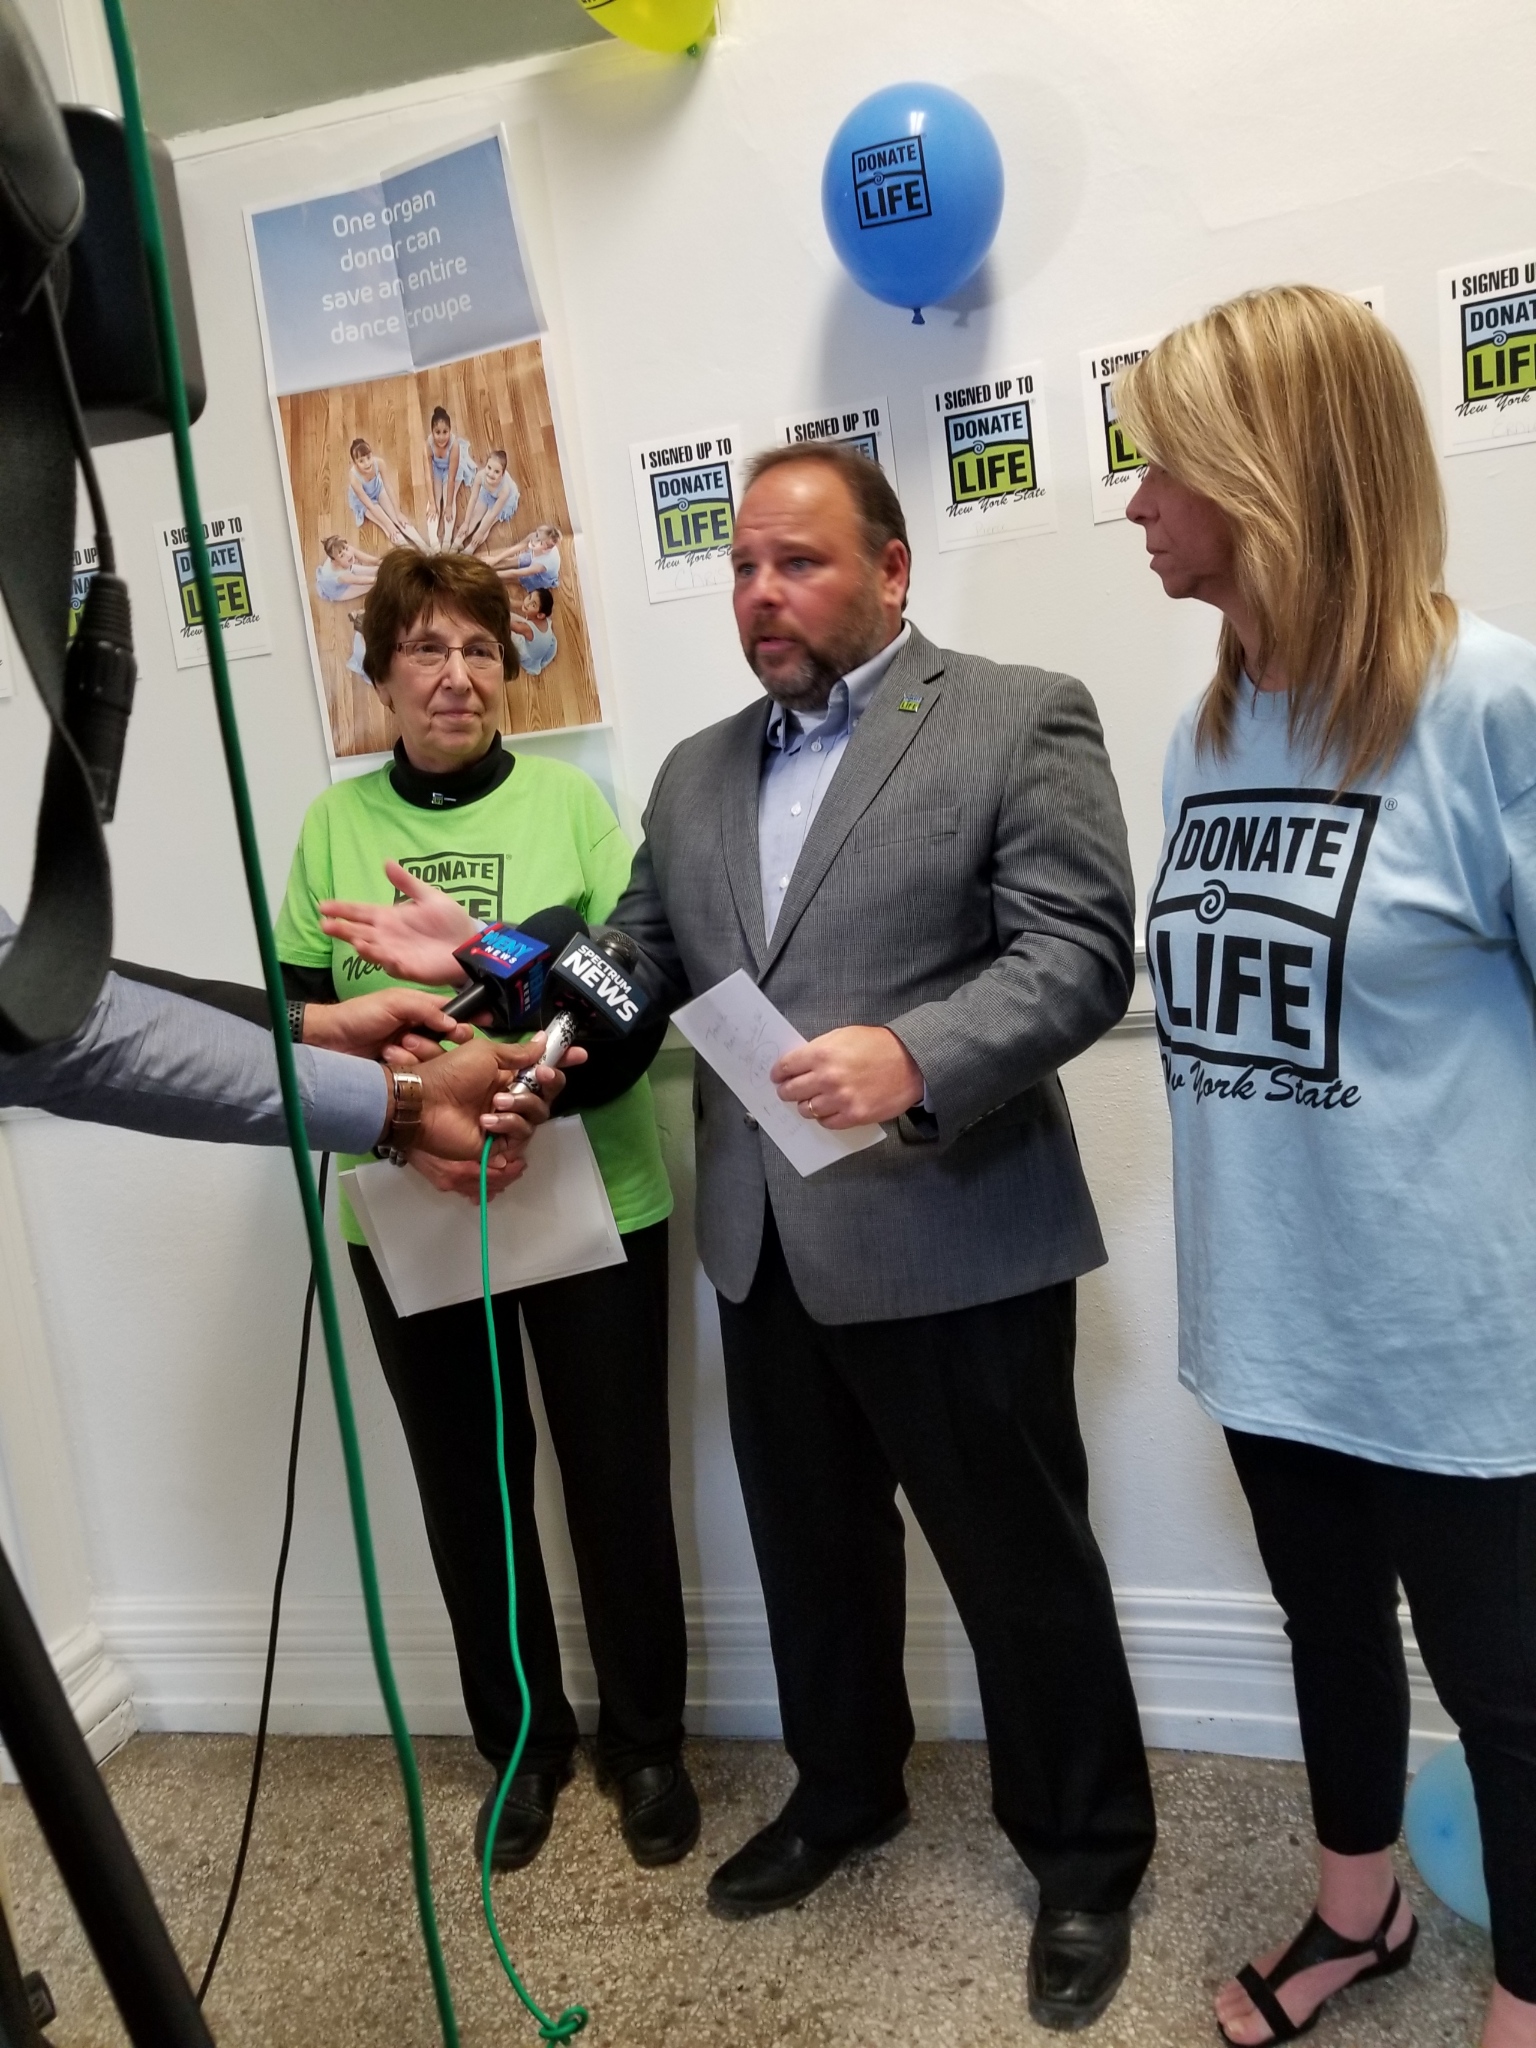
406,1102
296,1021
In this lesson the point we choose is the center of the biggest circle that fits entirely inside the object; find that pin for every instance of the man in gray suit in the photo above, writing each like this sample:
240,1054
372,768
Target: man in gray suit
919,856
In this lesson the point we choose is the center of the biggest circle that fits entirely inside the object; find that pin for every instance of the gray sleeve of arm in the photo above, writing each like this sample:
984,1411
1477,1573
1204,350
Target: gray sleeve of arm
150,1061
642,913
1063,901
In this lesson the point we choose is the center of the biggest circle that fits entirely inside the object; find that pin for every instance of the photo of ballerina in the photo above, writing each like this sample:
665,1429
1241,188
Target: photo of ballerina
405,359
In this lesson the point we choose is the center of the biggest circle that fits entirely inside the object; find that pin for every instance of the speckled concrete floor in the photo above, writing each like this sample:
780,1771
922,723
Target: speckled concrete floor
921,1943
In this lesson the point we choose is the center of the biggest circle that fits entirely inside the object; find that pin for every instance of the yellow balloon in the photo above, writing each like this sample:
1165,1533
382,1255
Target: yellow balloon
668,25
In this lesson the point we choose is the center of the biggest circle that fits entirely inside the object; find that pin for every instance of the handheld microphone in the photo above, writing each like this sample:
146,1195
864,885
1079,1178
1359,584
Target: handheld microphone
99,675
507,965
589,992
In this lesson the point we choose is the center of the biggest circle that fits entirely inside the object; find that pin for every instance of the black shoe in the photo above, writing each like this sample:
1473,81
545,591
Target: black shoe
779,1868
1076,1964
525,1819
659,1813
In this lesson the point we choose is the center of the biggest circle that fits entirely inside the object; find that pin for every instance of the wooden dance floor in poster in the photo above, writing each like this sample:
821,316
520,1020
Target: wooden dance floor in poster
496,400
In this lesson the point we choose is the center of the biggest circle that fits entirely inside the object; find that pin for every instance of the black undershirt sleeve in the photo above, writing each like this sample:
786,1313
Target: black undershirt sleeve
308,984
234,997
300,985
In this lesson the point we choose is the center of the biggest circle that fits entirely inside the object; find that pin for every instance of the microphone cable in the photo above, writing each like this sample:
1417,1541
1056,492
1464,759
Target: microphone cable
147,209
575,2017
277,1610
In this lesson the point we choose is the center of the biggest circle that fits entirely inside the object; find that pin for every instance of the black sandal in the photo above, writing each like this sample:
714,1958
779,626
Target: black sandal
1320,1943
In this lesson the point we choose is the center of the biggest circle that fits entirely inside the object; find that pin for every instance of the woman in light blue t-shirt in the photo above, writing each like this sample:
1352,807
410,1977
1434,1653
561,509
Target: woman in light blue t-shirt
1341,934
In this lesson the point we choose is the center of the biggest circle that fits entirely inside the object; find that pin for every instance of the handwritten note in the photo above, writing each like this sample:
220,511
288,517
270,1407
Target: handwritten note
740,1033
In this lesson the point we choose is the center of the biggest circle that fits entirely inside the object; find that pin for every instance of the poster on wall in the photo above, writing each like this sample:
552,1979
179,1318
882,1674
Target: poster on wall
1114,466
866,427
404,345
992,476
1488,352
236,585
685,501
82,569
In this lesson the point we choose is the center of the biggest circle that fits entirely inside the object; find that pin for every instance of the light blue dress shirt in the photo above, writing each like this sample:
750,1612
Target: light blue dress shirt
804,752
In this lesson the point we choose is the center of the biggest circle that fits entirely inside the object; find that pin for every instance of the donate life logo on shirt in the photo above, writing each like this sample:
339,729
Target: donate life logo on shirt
1248,924
472,879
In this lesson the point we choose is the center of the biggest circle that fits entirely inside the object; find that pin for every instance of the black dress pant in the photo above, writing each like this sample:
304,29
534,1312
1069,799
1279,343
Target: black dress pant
1337,1534
972,1414
600,1348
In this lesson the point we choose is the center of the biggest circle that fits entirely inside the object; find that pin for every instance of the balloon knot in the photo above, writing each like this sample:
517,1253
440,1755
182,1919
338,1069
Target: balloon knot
917,317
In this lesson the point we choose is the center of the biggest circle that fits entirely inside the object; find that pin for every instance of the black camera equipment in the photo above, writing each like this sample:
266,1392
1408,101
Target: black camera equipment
79,364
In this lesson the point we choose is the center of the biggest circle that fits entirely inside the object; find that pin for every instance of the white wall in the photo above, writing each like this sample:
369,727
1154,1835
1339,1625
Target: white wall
1157,160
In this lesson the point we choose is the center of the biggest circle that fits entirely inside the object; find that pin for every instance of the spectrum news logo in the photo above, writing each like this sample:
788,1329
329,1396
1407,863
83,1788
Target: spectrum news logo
692,499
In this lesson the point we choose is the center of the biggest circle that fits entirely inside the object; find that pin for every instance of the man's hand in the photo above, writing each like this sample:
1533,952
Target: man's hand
390,1018
456,1093
414,940
862,1074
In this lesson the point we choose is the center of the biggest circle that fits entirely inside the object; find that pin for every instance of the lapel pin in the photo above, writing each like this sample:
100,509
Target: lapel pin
909,704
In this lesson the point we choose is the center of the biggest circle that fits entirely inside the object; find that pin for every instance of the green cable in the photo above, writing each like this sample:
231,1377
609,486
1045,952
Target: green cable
574,2018
170,351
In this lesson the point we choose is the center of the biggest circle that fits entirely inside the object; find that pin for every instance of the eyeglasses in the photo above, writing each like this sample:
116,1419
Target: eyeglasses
430,657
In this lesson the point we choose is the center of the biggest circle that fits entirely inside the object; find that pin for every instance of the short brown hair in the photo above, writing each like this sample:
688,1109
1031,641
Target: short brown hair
412,586
879,508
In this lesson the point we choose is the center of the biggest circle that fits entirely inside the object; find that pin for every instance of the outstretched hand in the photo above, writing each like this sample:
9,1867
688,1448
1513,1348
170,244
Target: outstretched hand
399,1025
414,940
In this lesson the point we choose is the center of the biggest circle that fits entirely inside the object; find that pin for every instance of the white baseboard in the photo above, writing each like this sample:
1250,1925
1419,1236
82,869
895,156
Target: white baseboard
98,1689
1212,1670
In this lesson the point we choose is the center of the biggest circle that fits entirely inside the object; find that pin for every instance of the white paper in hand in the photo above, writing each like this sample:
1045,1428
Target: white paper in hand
735,1027
552,1221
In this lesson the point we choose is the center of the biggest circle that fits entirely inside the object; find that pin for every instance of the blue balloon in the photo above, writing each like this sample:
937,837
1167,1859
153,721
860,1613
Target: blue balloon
1440,1822
912,192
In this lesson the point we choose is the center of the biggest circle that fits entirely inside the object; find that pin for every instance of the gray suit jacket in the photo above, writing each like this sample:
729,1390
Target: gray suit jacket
966,882
149,1061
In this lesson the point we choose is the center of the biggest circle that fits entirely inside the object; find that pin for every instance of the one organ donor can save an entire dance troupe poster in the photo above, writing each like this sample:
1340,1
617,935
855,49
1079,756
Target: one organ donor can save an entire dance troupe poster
404,356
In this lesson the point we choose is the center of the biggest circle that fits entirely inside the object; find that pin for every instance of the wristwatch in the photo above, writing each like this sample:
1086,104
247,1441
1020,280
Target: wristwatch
405,1107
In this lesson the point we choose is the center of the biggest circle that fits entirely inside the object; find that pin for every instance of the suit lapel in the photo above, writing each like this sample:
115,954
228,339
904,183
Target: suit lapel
884,734
738,827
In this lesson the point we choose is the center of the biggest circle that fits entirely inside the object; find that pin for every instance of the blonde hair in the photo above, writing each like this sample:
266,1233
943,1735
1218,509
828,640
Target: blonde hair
1296,413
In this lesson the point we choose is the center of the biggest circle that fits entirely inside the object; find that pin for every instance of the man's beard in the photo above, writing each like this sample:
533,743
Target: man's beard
808,685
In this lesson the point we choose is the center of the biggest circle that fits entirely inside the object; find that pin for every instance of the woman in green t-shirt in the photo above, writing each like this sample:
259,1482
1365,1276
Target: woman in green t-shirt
508,834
